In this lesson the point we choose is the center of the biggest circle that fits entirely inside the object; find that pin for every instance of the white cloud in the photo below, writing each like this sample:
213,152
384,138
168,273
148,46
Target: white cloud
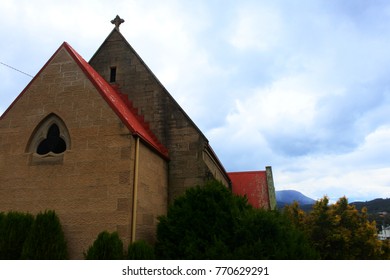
257,27
361,174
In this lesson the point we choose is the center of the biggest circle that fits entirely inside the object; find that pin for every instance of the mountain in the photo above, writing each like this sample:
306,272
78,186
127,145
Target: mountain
289,196
378,210
374,206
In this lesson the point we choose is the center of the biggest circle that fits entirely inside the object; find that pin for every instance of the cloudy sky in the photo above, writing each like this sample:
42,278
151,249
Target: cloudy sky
303,85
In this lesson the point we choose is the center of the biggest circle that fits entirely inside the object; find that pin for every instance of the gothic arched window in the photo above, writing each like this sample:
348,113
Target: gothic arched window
49,141
52,143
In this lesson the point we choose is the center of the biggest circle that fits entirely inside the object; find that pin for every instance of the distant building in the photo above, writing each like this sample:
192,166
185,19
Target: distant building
384,233
107,147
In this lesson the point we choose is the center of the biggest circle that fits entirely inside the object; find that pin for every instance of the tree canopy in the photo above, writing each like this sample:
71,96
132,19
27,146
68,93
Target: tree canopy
209,222
45,240
107,246
338,231
14,230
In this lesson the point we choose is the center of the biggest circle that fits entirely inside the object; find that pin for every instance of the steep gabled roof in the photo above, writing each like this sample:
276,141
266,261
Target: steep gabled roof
123,109
132,50
254,185
120,105
113,34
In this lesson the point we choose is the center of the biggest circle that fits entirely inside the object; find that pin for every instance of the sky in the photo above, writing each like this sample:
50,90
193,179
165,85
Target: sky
299,85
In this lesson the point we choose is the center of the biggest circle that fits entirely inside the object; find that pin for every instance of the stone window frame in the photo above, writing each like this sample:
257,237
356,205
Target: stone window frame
40,133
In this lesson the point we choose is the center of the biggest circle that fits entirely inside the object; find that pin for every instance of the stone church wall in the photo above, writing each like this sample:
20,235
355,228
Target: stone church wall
152,198
174,129
90,185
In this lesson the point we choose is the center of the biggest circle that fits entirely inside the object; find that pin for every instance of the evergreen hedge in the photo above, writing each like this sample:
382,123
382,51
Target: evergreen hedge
14,228
210,222
201,224
107,246
140,250
45,240
271,235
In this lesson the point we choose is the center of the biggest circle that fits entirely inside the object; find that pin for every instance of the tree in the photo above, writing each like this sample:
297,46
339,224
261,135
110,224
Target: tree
107,246
385,250
338,231
271,235
14,228
46,240
200,224
140,250
210,222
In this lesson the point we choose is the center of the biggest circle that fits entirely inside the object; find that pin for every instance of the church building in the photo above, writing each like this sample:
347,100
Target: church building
106,146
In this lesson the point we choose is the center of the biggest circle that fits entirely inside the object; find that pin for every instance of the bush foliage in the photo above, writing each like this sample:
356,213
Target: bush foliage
271,235
23,236
14,229
339,231
46,240
210,222
107,246
140,250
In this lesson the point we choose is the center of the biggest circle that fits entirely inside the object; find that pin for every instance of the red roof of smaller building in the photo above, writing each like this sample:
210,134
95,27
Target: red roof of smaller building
252,184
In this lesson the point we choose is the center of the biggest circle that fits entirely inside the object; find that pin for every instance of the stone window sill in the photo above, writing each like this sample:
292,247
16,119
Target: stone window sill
50,158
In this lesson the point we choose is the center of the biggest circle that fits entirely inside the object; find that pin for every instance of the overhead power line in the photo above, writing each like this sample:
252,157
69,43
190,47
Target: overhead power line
13,68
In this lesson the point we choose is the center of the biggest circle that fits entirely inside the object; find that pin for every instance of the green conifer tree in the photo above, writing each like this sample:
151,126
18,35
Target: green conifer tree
140,250
14,229
107,246
45,240
210,222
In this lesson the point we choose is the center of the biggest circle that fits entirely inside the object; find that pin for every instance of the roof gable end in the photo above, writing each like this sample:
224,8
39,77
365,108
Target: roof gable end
118,104
122,108
115,34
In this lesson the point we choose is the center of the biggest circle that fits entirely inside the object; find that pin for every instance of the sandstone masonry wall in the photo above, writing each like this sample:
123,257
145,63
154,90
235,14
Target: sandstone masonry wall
91,188
185,142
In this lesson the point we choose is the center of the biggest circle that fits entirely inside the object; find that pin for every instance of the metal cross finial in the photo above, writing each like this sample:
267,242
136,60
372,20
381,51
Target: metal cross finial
117,21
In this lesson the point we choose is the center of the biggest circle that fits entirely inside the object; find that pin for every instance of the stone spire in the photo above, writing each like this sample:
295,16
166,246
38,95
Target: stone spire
117,21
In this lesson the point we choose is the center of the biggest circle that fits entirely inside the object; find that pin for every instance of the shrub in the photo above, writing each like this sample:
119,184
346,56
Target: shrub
140,250
200,224
45,240
211,223
339,231
271,235
385,250
14,228
107,246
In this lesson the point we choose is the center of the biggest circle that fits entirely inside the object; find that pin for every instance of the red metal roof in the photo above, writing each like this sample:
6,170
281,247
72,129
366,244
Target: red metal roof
254,185
117,101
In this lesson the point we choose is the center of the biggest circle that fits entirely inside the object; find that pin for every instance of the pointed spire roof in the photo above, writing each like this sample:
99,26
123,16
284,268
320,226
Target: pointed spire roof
118,103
